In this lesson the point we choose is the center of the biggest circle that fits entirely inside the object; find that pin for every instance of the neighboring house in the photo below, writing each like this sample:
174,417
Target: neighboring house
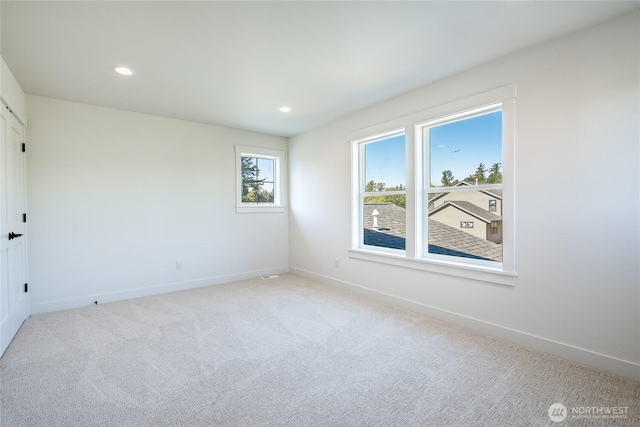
443,239
469,218
489,200
477,212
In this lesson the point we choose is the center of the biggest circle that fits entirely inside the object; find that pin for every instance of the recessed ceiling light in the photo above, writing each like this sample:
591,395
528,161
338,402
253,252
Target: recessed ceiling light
124,71
285,109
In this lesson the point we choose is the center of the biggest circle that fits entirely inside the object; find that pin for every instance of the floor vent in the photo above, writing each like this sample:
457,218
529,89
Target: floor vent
271,276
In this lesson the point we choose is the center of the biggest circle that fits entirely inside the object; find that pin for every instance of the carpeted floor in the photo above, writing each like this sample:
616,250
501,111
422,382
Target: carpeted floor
287,351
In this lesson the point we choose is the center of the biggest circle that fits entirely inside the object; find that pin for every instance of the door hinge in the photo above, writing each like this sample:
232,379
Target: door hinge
26,287
24,147
24,217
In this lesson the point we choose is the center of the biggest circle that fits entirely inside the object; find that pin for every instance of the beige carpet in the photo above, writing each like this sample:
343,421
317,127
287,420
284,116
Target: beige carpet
287,351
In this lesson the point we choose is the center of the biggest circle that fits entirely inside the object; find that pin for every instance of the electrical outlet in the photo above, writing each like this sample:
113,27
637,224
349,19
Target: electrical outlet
178,265
336,263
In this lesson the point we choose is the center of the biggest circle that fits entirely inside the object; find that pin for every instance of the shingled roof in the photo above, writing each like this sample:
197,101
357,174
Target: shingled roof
443,240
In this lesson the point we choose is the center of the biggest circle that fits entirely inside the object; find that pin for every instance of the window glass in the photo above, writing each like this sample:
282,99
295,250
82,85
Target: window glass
464,153
385,164
383,187
257,180
384,221
460,225
466,150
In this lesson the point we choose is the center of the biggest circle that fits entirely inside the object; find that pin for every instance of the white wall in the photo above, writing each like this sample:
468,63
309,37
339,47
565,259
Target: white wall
116,198
11,92
577,207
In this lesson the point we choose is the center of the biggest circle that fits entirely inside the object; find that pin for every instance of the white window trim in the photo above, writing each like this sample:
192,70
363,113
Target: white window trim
358,186
423,187
504,274
278,156
446,267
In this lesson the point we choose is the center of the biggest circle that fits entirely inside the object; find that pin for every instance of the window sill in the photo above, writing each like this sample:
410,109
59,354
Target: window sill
259,209
480,273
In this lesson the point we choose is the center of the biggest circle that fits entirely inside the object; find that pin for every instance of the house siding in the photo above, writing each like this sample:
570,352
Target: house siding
478,198
452,217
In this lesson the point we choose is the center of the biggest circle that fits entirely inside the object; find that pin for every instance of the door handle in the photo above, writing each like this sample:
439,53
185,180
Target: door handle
13,235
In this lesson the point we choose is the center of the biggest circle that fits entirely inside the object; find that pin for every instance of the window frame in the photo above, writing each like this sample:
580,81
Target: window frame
360,184
278,162
496,273
423,145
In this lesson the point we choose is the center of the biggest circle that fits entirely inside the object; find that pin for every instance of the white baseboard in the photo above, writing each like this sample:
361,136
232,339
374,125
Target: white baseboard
164,288
583,356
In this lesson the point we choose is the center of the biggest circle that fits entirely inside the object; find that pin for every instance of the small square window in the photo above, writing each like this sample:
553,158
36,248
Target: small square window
493,205
259,182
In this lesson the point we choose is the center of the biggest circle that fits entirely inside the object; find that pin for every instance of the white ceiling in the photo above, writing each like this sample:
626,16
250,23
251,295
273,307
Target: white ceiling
235,63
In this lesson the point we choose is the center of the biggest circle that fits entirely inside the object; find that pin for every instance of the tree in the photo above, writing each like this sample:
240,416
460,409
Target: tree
252,186
264,196
480,174
374,186
447,179
495,176
396,199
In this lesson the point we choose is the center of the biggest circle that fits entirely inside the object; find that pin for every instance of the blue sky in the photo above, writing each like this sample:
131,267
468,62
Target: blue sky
385,161
265,167
460,146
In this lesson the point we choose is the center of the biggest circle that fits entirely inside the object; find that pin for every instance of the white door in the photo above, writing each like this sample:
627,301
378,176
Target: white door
13,297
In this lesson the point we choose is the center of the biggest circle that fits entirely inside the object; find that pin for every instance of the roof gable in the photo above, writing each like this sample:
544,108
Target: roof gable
468,208
495,193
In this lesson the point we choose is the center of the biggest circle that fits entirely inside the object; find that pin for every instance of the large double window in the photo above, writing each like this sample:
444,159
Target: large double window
435,191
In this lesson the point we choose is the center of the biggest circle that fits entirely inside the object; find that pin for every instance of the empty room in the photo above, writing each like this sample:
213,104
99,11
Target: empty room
311,213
